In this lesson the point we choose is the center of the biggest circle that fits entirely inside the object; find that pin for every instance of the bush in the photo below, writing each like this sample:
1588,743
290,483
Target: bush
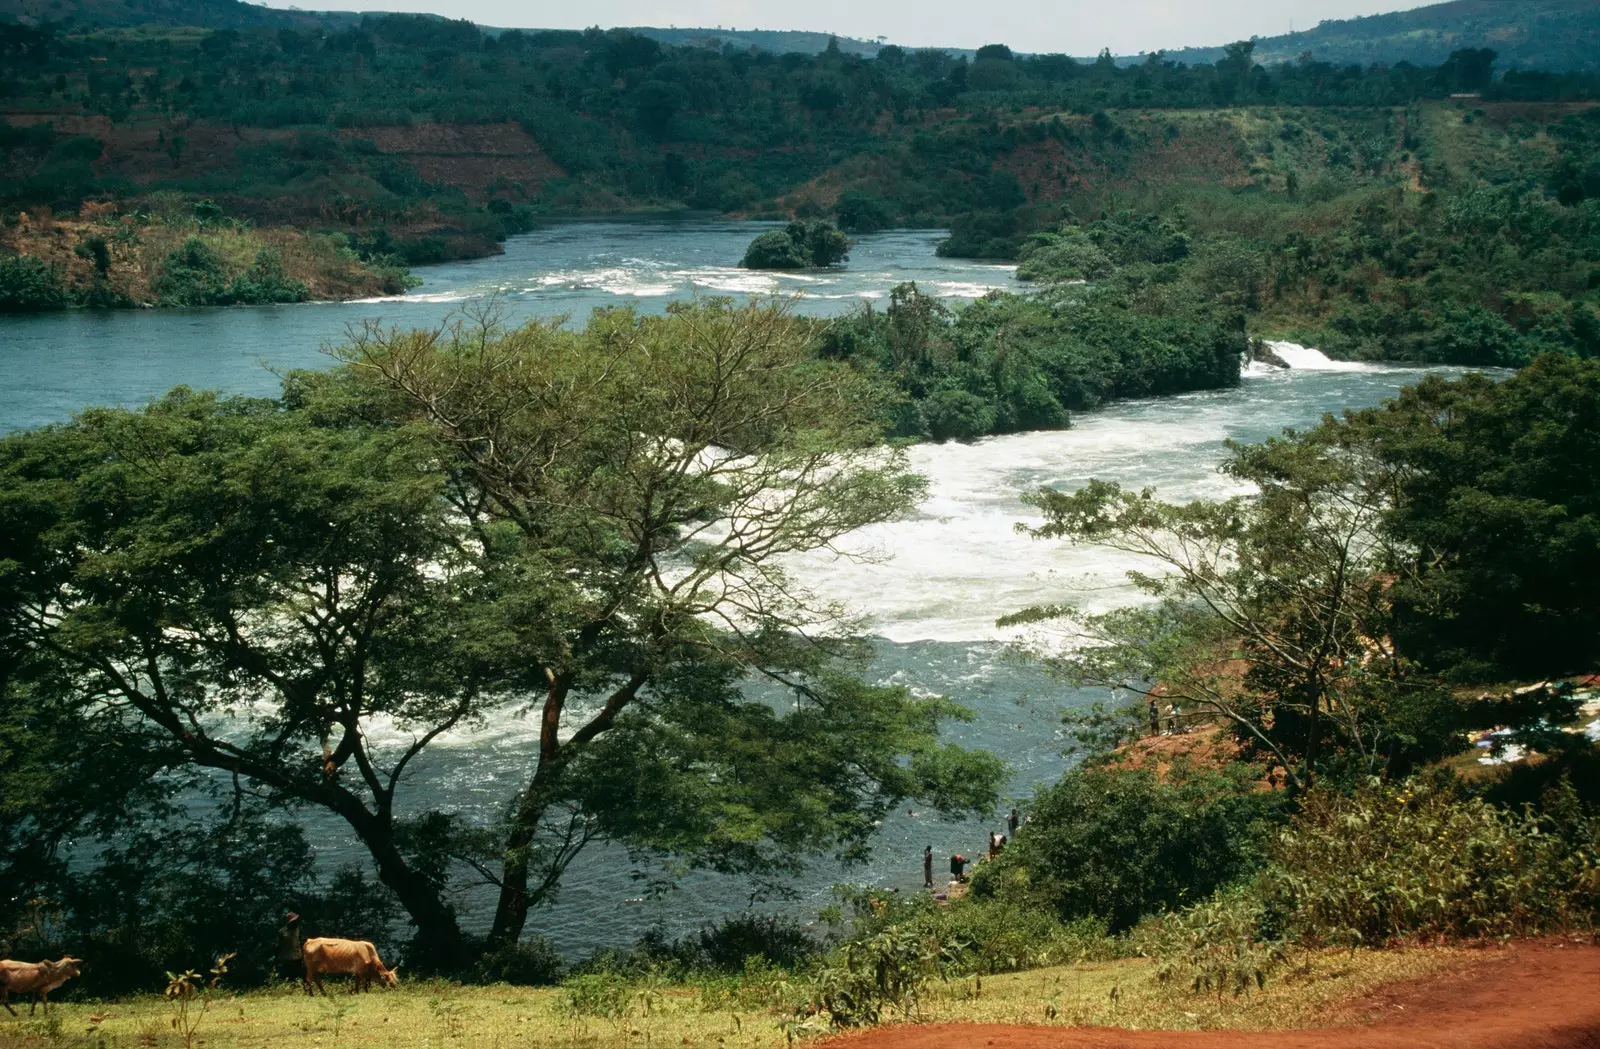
958,415
775,250
1123,842
871,976
803,244
29,284
266,282
730,944
1414,860
528,963
862,213
1215,945
986,936
191,276
1062,258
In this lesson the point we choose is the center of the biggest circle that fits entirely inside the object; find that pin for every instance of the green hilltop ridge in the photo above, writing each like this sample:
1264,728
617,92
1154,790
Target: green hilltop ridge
1549,35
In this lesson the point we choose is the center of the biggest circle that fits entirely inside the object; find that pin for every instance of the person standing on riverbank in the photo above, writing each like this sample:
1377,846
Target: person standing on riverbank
1011,823
291,941
1155,718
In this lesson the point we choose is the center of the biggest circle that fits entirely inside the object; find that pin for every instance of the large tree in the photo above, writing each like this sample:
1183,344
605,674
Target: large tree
664,470
591,527
1453,529
1494,517
1268,611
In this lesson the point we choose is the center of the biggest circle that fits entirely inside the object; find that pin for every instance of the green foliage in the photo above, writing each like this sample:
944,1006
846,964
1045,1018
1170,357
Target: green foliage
1215,945
600,995
266,282
1120,843
860,212
94,248
259,499
29,284
1008,363
983,935
1497,512
193,275
802,244
1417,861
191,995
530,962
877,975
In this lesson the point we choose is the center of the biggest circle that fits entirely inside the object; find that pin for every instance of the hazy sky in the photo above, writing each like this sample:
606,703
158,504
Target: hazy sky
1079,27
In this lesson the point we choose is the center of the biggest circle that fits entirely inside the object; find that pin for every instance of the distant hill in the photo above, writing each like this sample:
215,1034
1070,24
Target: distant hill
205,14
775,40
1551,35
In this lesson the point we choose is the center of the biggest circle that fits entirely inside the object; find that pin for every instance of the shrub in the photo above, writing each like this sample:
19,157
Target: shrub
29,284
985,936
530,963
802,244
730,944
958,415
775,250
1215,945
862,213
1419,861
1062,258
874,975
1122,842
191,276
266,282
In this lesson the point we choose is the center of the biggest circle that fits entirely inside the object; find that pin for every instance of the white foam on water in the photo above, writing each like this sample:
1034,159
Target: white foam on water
729,279
1306,359
965,289
954,567
441,296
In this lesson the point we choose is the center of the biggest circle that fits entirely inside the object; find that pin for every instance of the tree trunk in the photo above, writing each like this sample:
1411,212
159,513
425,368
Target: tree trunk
511,912
1313,738
440,947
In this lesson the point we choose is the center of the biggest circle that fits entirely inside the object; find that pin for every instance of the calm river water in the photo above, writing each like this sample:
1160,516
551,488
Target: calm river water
932,591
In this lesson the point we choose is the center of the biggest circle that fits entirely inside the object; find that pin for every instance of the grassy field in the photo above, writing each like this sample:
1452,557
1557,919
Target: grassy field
438,1015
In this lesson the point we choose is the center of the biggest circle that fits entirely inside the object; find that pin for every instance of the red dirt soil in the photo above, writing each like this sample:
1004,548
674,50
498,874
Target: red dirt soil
1529,996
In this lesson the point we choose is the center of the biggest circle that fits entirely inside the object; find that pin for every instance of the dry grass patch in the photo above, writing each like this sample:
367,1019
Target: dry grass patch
439,1015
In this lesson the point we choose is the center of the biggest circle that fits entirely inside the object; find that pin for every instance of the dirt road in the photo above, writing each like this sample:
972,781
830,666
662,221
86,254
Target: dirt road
1528,996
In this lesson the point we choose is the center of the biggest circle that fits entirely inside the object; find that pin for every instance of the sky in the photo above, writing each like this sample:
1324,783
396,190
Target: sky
1077,27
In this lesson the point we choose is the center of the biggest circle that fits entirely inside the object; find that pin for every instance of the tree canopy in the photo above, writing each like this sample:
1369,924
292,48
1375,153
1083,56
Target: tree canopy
589,527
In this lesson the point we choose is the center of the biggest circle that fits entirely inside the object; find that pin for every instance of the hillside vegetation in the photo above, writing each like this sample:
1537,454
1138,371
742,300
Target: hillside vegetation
1550,35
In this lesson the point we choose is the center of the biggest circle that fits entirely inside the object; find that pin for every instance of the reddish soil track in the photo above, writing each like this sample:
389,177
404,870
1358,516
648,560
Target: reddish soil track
1531,996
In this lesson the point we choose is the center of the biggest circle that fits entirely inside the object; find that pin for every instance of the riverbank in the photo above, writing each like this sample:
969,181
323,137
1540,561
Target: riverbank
754,1012
100,258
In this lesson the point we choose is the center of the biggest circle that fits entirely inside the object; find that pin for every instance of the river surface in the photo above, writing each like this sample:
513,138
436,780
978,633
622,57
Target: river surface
932,585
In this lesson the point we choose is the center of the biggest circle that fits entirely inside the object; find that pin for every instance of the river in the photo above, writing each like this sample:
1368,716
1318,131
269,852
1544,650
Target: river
932,590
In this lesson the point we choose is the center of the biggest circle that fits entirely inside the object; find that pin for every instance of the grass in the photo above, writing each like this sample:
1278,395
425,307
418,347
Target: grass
439,1015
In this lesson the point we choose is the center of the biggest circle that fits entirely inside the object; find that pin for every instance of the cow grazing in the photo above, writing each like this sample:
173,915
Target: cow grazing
359,958
39,977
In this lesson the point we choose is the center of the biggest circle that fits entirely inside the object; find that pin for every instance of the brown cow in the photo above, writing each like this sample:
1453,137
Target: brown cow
359,958
39,977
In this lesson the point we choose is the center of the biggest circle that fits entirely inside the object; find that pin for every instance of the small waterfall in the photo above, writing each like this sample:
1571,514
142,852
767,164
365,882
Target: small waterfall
1305,359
